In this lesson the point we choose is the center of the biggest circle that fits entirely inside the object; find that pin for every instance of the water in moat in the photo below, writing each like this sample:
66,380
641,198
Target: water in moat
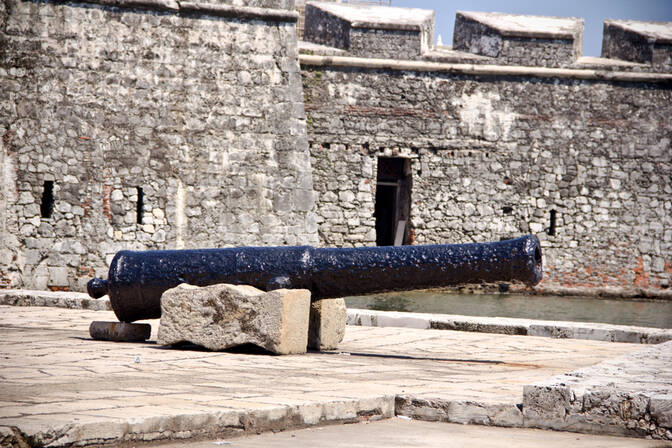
644,313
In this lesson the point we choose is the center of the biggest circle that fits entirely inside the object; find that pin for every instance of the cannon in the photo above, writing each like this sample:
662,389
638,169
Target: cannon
137,279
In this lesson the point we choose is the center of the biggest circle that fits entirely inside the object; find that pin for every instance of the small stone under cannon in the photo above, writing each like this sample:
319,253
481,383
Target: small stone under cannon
137,280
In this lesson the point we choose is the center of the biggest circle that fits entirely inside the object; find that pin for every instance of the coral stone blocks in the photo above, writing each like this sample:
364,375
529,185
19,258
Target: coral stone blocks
643,42
519,39
370,31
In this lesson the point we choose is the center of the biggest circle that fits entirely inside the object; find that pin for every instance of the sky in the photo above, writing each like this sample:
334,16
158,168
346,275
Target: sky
594,12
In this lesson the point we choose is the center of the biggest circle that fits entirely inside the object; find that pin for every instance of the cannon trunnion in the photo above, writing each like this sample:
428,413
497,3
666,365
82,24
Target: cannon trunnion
137,279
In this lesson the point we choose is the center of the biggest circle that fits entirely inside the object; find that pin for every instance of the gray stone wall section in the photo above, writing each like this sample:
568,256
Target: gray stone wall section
662,58
538,52
345,197
492,157
204,113
474,37
383,43
326,29
478,38
619,42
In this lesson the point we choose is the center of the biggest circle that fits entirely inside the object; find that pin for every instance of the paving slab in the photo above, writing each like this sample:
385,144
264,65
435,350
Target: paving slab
58,387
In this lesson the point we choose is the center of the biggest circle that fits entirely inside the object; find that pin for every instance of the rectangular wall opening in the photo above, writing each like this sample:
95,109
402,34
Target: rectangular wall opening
47,203
140,206
393,201
552,226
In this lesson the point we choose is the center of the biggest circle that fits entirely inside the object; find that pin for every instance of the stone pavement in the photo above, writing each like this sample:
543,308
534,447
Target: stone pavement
60,388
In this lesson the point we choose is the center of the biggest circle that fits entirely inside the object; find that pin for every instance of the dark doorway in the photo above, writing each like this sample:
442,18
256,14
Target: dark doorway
393,201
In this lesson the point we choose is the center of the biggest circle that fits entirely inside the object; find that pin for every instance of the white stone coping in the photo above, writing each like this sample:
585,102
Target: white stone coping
483,69
306,47
593,61
246,12
658,32
528,26
378,17
443,53
508,325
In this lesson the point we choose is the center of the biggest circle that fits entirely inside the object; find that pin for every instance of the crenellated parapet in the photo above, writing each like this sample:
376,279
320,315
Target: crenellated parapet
643,42
519,40
483,38
370,31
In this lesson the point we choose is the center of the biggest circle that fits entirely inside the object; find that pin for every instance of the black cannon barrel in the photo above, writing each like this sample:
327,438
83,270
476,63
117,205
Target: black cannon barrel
137,279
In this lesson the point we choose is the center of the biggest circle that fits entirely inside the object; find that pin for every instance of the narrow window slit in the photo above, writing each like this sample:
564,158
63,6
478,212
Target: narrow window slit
551,228
47,205
140,205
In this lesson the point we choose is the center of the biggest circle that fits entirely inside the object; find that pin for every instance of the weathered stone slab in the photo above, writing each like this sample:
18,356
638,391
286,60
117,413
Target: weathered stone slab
223,316
119,331
327,323
477,412
630,395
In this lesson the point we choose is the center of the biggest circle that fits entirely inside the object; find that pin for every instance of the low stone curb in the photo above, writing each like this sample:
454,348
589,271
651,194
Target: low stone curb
467,412
507,325
630,395
187,425
59,299
601,292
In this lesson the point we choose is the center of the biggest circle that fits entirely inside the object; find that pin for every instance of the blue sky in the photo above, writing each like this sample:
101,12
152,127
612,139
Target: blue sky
593,11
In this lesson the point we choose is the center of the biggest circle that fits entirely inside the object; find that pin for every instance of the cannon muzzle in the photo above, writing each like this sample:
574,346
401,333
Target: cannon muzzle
136,280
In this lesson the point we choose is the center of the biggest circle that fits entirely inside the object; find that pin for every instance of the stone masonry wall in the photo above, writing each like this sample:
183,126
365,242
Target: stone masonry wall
366,41
474,37
201,112
383,43
495,157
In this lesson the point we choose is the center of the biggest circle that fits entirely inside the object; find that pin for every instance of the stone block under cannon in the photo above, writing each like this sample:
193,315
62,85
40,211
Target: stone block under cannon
137,280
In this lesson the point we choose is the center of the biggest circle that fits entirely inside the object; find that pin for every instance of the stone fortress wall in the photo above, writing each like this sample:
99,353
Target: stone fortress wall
509,132
147,125
157,124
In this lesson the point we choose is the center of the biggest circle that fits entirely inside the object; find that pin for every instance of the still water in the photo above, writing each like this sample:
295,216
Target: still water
644,313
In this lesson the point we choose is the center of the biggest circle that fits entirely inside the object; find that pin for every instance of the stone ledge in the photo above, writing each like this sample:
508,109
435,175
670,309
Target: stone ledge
466,412
58,299
618,292
483,70
187,425
240,11
630,395
507,325
244,12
